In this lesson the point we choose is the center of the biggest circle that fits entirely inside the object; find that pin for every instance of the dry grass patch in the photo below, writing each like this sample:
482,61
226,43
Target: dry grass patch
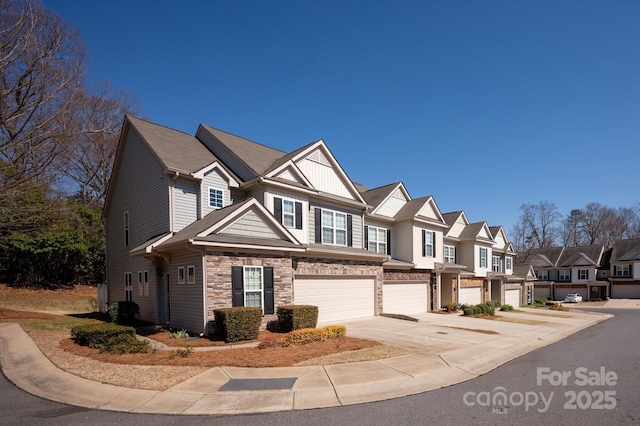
79,299
514,320
368,354
540,314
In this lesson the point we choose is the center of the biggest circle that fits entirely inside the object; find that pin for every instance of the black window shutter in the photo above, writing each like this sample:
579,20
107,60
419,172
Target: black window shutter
389,242
424,242
277,209
433,240
350,230
268,290
318,225
366,237
298,215
587,274
237,286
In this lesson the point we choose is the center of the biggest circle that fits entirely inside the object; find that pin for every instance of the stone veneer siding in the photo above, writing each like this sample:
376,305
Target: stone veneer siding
308,266
219,279
412,275
471,282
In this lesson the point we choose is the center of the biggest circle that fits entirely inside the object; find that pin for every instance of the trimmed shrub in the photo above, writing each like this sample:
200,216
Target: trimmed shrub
493,303
238,323
112,338
304,336
539,301
506,307
296,317
468,311
451,307
123,312
477,310
335,331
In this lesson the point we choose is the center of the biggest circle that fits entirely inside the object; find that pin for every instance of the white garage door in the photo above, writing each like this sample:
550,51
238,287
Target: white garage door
404,298
470,295
512,297
625,291
337,299
560,293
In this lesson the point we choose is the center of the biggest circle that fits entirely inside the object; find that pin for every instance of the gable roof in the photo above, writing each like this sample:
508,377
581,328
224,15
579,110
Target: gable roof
205,229
525,271
413,207
375,196
626,250
178,151
473,232
582,255
251,159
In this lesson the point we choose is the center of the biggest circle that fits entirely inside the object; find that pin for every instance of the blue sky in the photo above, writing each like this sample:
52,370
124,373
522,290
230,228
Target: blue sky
485,105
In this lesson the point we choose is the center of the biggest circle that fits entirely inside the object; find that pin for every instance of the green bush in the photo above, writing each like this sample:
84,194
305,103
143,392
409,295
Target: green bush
451,307
335,331
238,323
506,308
468,311
539,301
123,312
303,336
493,303
295,317
110,338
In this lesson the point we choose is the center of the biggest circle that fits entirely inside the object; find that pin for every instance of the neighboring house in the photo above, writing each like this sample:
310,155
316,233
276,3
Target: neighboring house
411,232
563,270
528,274
624,274
505,286
215,220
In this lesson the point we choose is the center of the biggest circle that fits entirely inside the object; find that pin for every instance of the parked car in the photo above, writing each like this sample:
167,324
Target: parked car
573,297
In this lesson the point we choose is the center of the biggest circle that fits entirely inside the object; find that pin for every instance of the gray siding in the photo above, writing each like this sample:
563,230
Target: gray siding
213,179
251,225
185,203
187,305
225,155
358,241
141,182
257,193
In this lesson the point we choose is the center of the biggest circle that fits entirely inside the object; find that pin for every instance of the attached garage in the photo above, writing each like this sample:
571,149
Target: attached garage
625,291
561,292
470,295
541,292
337,299
513,297
409,298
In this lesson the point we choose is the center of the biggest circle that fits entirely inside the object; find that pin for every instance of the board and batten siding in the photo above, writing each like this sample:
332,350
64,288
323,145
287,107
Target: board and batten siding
141,188
225,155
213,179
185,203
187,304
393,204
357,221
250,225
324,178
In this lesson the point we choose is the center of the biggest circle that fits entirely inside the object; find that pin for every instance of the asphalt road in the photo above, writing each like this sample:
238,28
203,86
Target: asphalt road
589,378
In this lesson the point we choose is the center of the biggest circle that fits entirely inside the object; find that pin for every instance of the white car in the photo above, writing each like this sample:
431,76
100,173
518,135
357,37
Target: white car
573,297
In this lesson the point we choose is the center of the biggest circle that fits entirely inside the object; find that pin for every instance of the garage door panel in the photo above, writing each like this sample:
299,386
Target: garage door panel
512,297
336,298
410,298
470,295
630,291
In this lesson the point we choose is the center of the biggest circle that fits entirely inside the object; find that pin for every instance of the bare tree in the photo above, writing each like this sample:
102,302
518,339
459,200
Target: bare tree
571,232
539,225
90,155
596,221
41,73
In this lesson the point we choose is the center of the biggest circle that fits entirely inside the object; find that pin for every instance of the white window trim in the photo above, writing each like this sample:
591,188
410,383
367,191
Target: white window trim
191,277
543,275
375,241
566,273
509,263
209,197
429,246
244,285
128,286
498,265
451,257
140,284
181,275
334,228
483,260
586,274
621,270
292,214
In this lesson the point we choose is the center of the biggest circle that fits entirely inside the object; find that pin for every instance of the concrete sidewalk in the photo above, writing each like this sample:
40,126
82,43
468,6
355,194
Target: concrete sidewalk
449,349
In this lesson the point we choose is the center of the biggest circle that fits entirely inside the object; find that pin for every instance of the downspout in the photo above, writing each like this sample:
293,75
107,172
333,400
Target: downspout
202,253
